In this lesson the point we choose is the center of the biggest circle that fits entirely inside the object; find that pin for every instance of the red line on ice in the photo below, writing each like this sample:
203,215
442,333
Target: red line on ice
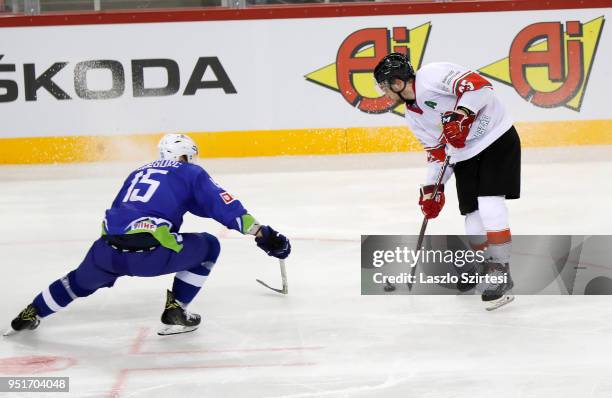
271,349
123,373
139,341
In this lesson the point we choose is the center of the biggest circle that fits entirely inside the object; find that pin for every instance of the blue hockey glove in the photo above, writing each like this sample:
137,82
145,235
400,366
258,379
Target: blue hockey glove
273,243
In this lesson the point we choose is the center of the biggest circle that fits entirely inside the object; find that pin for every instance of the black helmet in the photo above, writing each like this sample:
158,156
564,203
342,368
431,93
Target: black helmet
394,65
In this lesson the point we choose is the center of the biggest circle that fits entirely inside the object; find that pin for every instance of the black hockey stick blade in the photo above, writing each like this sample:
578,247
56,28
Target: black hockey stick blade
389,287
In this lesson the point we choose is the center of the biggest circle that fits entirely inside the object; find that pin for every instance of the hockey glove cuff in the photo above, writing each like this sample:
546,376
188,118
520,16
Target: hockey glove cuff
248,224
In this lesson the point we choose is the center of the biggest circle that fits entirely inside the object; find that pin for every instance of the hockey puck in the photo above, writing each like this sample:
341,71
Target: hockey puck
389,288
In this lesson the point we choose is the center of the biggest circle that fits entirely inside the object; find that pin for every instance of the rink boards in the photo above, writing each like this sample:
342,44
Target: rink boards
287,81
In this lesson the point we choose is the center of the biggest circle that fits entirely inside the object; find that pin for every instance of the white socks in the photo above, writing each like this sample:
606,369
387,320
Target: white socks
489,226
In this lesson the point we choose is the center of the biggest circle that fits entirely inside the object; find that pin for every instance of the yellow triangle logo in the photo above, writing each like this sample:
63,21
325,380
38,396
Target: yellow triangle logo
537,76
363,80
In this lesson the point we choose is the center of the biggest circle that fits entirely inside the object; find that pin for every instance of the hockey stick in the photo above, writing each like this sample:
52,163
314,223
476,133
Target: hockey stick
389,287
285,289
426,220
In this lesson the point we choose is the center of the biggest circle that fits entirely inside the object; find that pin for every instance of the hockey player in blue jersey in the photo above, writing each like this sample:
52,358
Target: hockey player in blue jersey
140,237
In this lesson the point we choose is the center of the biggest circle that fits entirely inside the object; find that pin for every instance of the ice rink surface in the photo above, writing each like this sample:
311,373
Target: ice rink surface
323,339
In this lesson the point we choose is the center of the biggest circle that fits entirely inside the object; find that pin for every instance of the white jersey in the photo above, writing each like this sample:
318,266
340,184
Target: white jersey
440,87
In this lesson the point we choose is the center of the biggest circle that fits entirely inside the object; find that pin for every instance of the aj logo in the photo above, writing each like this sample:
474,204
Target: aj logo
351,74
548,65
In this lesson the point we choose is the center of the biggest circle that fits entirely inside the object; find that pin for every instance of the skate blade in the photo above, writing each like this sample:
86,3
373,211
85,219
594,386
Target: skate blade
167,330
9,332
506,299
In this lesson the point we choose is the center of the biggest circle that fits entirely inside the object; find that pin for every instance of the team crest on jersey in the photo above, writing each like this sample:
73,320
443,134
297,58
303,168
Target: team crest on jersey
549,63
227,198
352,73
146,225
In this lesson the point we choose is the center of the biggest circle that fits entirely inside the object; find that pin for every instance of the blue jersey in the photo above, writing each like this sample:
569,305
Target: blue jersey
155,197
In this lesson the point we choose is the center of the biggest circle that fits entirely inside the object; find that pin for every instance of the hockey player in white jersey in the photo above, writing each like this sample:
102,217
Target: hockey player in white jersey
454,112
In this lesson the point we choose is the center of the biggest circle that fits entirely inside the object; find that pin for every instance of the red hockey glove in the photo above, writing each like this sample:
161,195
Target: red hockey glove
431,206
456,127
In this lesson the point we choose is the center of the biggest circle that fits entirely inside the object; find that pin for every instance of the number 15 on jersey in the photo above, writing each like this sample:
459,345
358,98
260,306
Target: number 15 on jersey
133,193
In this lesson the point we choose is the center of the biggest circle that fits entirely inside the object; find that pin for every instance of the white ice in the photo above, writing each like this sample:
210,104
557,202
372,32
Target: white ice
323,339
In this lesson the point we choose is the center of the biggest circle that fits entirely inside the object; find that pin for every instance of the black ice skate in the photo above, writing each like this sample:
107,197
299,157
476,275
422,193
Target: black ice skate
176,319
465,285
26,320
500,294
